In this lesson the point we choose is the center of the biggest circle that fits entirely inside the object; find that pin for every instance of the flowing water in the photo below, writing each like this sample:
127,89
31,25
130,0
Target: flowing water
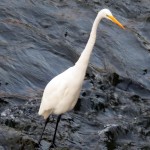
41,38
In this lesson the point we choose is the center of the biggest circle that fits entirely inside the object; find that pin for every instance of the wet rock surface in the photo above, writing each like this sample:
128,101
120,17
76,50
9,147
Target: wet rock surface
40,39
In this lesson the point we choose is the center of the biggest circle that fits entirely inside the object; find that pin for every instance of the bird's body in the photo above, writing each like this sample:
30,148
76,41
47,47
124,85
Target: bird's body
62,92
58,96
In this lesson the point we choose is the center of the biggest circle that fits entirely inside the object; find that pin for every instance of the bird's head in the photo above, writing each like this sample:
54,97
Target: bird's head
106,13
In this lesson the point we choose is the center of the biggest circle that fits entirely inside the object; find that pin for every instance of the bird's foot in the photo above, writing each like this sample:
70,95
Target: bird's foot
53,145
39,143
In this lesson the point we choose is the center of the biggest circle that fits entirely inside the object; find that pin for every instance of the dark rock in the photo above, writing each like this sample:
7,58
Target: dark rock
40,39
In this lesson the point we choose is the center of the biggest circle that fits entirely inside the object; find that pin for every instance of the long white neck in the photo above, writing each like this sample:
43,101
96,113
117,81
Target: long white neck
82,63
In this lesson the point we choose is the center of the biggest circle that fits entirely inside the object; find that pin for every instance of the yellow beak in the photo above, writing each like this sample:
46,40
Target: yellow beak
113,19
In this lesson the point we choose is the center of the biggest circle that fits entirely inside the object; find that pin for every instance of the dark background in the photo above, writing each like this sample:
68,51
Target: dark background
41,38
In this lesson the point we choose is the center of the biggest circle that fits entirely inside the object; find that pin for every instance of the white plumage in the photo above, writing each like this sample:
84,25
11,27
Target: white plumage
62,92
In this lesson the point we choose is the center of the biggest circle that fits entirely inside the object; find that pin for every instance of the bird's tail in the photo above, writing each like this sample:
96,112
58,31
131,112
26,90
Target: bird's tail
45,113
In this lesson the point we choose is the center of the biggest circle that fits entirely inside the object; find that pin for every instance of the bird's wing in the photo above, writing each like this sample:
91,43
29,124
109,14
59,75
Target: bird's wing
54,92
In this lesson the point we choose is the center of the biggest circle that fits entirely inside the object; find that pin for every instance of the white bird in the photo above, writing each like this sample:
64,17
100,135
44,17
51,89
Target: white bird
62,92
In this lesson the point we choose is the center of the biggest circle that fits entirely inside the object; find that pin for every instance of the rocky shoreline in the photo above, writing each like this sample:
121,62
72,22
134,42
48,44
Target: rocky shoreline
40,39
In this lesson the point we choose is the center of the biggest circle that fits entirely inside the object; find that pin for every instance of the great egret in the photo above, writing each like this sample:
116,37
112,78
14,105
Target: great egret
62,92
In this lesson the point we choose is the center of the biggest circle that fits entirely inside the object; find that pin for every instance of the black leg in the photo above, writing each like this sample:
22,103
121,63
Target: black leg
46,121
53,142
